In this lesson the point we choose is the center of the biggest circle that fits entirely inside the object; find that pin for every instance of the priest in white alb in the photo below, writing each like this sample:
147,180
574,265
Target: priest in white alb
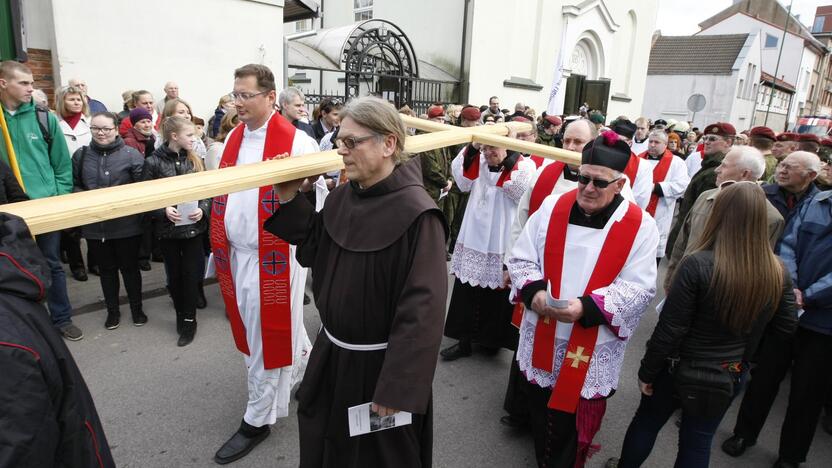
261,282
584,268
670,180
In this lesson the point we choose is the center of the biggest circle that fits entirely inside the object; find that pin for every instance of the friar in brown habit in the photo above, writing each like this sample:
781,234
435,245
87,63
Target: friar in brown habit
377,253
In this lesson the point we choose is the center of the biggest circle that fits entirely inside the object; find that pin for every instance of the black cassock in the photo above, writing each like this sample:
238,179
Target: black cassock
379,275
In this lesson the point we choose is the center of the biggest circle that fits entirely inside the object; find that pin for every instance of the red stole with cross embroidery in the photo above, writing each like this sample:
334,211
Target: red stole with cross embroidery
614,253
659,175
273,252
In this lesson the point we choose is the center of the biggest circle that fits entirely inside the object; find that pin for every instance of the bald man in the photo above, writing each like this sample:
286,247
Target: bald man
171,92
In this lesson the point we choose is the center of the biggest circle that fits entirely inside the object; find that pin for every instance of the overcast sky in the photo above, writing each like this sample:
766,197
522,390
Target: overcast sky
681,17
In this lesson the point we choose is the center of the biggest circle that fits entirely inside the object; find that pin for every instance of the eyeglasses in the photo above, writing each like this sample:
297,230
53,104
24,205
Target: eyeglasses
599,183
101,129
711,138
244,96
352,142
788,167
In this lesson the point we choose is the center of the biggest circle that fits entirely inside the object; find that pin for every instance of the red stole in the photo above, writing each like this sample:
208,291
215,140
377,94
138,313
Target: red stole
537,160
544,185
659,174
275,290
473,171
632,168
614,253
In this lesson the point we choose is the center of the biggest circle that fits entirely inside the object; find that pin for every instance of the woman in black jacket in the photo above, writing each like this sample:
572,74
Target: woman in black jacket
108,162
722,299
180,234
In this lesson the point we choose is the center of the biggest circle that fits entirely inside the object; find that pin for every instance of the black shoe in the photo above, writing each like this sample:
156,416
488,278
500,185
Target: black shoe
201,302
188,332
93,270
112,322
239,446
306,299
139,318
514,422
459,350
79,274
144,265
785,464
736,445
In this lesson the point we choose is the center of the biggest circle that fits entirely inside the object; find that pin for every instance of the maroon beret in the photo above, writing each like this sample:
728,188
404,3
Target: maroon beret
470,113
554,120
808,137
763,132
520,118
723,129
787,136
435,111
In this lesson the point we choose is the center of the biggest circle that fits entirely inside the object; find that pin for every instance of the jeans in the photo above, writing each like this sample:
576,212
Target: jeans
56,298
116,255
695,434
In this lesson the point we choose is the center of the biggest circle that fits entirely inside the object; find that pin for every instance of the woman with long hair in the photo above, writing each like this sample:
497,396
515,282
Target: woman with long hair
180,233
180,108
229,121
724,296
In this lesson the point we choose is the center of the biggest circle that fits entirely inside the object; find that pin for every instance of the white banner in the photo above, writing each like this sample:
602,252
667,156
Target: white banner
551,108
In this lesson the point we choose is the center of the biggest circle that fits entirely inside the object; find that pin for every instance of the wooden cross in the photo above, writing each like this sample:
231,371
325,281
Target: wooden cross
77,209
577,357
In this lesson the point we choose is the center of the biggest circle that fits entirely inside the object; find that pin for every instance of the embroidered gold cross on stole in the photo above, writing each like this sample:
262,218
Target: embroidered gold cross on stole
577,357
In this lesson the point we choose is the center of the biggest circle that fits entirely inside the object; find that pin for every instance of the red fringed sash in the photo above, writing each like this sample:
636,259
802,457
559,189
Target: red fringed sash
275,289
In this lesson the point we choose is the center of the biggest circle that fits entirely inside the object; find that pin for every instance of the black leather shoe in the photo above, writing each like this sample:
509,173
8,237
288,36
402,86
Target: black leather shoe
79,274
139,318
187,334
238,446
144,265
785,464
514,422
94,270
736,445
459,350
113,319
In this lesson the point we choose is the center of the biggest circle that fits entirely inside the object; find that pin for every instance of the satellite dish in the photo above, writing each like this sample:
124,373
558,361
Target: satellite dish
696,102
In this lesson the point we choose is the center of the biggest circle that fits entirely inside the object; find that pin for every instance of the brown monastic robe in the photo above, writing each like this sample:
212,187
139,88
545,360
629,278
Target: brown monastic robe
379,275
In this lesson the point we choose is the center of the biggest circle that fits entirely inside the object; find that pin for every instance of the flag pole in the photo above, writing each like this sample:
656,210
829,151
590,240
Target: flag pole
10,149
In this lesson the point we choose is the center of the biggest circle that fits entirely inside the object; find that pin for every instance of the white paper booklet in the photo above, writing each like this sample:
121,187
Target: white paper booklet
185,209
364,420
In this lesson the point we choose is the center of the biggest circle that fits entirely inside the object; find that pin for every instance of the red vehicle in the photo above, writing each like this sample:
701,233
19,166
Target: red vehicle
820,125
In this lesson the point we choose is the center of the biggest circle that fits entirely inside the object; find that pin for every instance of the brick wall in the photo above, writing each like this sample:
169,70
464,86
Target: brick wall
40,61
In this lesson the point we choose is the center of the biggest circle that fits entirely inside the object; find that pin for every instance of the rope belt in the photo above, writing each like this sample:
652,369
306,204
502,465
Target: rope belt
354,347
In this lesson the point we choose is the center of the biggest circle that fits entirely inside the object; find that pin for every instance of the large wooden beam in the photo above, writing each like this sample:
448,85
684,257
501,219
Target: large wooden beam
77,209
523,146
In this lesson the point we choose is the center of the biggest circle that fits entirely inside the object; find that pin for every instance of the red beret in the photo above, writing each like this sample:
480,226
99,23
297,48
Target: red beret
787,136
808,137
435,111
470,113
826,142
520,118
723,129
554,120
763,132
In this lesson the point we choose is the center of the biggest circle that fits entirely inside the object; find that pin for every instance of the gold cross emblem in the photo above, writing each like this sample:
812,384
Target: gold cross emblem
546,320
577,357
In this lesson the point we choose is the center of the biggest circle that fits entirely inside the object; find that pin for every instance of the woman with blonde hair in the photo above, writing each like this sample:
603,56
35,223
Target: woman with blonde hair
724,296
179,233
180,108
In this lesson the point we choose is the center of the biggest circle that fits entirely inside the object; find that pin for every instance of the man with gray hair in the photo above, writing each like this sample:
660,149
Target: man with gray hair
292,104
741,164
793,182
171,92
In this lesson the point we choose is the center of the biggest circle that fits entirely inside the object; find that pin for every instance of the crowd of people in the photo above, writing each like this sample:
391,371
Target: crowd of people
555,262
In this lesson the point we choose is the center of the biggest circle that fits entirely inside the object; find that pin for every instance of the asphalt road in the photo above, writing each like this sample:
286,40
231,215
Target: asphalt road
164,406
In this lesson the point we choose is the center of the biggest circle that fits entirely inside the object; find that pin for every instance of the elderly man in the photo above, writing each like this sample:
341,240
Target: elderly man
670,179
550,135
785,145
171,92
292,104
584,268
479,309
740,164
640,137
261,283
793,187
95,105
718,137
383,352
764,138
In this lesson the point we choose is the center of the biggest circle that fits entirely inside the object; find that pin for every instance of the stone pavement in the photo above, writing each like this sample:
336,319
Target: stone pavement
164,406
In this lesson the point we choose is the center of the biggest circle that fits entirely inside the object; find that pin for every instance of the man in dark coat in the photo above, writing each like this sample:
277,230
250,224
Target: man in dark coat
793,187
48,416
376,251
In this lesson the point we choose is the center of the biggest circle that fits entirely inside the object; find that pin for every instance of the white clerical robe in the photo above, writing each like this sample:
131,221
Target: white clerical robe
486,226
673,187
622,303
268,389
639,148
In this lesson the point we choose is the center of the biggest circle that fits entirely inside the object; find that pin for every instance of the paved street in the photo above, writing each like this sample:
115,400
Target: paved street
164,406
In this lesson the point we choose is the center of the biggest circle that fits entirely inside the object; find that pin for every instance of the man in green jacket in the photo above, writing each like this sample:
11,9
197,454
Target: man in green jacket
718,137
46,171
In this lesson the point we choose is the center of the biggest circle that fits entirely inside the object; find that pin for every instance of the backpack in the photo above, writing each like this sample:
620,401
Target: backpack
42,116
